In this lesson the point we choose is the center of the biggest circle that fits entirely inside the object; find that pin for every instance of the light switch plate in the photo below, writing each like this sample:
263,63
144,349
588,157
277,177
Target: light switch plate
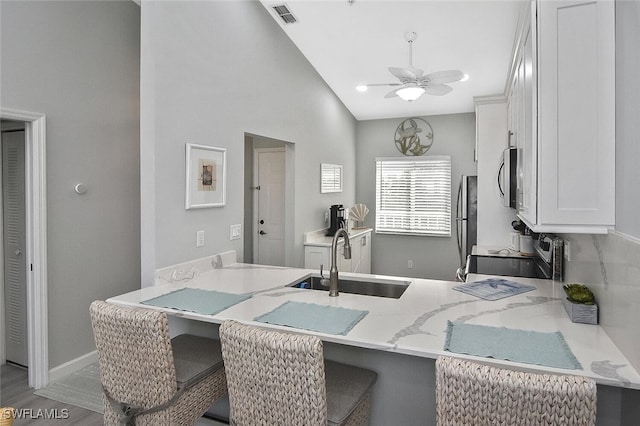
235,232
199,238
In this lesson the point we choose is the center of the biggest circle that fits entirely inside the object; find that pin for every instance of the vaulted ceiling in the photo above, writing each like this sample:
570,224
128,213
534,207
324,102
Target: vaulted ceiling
351,42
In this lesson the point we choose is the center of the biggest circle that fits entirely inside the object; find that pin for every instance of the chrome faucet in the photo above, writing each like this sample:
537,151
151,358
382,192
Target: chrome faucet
333,272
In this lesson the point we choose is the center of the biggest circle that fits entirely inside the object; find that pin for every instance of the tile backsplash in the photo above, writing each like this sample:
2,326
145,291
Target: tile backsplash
610,266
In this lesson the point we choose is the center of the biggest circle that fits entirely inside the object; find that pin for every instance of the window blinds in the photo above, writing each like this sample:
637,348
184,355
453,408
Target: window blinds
413,196
330,178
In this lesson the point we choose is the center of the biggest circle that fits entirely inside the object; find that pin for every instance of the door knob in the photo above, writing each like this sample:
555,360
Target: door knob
18,252
261,222
263,233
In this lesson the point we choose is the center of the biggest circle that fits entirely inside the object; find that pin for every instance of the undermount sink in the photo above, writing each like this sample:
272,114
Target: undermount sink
372,287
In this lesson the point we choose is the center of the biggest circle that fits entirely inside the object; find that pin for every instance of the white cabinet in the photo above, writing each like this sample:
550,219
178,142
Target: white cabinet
314,256
523,119
364,267
360,255
317,252
562,115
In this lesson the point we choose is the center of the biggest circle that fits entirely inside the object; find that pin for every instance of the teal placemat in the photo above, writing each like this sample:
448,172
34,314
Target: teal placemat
493,288
207,302
530,347
309,316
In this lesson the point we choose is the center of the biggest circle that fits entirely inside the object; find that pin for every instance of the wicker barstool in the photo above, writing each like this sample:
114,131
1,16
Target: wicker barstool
278,378
468,393
148,378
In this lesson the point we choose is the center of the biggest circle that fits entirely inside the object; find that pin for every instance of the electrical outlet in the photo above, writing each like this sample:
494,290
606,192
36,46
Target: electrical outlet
199,238
235,231
326,217
567,250
410,264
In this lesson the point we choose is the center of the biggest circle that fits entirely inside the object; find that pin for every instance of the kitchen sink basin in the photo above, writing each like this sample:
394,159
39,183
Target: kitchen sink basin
375,287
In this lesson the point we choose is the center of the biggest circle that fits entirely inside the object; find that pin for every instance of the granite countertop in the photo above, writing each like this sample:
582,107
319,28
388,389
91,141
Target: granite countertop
415,324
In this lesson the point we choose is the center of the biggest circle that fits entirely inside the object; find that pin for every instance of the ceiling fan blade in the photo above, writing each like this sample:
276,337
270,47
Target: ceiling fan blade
448,76
391,94
437,89
409,73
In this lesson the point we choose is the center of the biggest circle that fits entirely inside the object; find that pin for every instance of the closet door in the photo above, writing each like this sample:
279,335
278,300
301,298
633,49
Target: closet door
13,213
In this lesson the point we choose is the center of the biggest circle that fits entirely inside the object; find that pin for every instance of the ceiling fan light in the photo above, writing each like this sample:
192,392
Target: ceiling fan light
410,93
465,77
362,88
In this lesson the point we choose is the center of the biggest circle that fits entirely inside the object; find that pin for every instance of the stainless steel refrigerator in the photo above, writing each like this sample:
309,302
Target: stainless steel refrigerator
466,220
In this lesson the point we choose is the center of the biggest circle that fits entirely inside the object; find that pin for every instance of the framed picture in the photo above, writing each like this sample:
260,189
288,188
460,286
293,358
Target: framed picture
206,176
330,178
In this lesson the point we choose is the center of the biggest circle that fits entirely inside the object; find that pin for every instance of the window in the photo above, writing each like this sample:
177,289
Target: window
330,178
413,196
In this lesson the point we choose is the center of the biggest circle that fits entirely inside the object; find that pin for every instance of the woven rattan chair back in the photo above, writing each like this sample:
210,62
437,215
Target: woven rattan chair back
273,378
136,361
137,368
468,393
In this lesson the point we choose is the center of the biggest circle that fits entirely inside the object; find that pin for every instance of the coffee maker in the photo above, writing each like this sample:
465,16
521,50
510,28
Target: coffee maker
338,219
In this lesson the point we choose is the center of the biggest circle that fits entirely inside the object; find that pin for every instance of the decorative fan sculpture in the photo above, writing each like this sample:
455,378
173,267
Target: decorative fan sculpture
358,213
414,137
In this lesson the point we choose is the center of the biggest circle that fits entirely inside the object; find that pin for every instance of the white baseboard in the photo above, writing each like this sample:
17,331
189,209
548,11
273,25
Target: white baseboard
72,366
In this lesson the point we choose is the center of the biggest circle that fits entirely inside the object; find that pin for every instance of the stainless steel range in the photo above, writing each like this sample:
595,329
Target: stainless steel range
541,265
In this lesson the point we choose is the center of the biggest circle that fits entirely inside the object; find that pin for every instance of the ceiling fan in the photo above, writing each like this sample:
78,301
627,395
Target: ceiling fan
414,83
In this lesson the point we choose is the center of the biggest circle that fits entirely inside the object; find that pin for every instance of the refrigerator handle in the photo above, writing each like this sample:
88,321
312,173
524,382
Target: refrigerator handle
459,202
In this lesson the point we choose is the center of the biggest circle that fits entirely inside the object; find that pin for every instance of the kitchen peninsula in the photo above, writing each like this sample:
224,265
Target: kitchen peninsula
400,338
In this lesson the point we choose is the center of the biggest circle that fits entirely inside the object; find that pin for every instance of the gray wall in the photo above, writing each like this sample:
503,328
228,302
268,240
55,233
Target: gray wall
211,72
433,257
627,114
78,63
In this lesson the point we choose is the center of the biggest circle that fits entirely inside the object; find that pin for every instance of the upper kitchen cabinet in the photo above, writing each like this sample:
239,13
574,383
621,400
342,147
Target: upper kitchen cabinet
522,114
562,116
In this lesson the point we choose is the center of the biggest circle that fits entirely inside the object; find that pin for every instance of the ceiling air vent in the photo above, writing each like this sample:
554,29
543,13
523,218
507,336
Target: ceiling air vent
285,14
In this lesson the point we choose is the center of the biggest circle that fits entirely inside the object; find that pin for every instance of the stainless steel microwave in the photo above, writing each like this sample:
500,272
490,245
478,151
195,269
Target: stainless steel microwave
507,177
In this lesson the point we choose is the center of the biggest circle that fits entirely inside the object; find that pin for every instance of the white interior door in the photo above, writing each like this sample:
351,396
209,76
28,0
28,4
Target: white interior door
14,242
269,173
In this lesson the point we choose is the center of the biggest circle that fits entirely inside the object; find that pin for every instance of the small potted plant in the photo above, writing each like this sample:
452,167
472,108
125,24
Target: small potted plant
580,304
